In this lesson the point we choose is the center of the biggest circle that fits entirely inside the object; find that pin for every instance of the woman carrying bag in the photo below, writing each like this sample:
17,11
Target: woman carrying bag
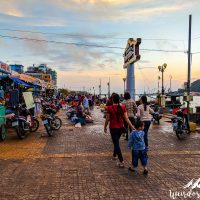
115,115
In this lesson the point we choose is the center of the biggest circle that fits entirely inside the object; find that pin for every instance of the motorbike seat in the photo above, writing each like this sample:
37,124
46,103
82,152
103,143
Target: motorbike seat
9,111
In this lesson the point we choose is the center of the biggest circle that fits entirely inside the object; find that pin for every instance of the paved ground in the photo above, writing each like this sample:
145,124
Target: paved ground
76,164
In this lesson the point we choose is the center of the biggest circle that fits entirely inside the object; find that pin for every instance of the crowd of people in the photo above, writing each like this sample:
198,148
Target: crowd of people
123,117
79,108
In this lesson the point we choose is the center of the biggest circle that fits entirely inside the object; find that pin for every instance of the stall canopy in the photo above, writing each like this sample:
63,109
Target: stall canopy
18,81
26,78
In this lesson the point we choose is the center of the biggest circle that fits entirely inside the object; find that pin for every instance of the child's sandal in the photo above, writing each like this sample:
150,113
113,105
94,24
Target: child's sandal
120,165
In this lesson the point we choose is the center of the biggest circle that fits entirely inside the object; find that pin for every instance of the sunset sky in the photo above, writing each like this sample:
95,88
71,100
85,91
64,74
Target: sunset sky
162,25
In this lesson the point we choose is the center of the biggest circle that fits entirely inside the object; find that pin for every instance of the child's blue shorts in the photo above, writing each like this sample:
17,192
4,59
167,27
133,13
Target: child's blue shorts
139,154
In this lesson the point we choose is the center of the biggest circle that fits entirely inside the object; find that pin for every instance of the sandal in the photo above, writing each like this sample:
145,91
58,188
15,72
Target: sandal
131,169
145,172
114,158
120,165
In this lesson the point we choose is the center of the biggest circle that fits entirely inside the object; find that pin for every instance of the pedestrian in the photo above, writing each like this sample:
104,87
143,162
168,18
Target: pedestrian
144,114
38,106
86,104
115,114
131,108
137,144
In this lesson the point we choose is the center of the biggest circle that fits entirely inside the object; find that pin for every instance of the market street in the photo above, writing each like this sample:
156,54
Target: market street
76,164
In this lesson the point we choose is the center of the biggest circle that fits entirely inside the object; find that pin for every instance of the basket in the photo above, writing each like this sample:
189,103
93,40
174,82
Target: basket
193,126
2,114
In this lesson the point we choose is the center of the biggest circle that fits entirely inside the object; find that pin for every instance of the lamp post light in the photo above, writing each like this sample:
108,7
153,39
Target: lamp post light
162,69
124,79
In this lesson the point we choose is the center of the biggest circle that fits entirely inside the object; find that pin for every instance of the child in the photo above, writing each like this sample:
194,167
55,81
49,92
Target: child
137,144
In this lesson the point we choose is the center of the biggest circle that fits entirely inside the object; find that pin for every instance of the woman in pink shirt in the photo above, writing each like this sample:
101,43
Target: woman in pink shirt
144,113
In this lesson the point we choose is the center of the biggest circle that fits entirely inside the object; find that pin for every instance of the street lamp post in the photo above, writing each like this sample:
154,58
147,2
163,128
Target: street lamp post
99,91
108,89
158,85
162,69
170,83
124,79
94,91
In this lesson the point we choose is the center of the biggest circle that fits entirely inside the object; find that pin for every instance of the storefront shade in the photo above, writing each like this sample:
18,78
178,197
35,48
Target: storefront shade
18,81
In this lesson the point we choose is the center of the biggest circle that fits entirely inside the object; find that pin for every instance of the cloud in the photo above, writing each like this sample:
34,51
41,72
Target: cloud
119,9
64,12
10,7
144,61
167,44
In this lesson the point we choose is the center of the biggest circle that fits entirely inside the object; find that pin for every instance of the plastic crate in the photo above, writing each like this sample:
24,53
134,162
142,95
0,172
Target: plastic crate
2,114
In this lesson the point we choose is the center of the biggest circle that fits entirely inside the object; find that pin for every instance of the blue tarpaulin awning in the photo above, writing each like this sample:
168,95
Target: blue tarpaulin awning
18,81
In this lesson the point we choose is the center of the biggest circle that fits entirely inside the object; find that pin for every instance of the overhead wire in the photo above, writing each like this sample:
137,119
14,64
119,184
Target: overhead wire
87,45
82,35
143,76
196,52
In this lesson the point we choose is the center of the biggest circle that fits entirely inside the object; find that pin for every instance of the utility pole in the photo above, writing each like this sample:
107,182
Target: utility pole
124,79
100,89
109,87
189,65
94,90
170,83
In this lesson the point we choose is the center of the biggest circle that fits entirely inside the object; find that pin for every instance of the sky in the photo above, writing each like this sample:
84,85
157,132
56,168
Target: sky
76,38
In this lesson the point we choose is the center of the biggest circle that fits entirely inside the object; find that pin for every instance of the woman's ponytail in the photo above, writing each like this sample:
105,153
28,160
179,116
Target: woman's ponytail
144,101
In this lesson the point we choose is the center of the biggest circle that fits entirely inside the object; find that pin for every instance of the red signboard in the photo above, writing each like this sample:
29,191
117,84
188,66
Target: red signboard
5,68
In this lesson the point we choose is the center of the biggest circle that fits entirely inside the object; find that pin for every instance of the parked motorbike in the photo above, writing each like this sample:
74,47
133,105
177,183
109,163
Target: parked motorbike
50,120
22,121
17,122
156,117
180,125
33,122
47,121
19,119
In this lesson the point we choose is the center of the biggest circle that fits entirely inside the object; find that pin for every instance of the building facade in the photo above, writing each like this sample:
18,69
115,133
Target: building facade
44,73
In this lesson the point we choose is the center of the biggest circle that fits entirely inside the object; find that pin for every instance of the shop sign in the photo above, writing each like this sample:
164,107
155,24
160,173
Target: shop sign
28,98
5,68
131,53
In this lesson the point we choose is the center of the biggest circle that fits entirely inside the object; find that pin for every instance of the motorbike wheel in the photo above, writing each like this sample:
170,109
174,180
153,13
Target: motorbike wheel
57,123
181,134
21,133
35,126
48,129
3,132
